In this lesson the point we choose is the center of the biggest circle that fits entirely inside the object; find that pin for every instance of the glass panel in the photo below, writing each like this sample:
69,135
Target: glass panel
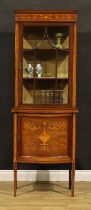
28,91
62,76
62,91
45,64
44,91
62,65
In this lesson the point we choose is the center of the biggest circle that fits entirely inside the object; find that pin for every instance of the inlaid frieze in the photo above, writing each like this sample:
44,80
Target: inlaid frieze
46,17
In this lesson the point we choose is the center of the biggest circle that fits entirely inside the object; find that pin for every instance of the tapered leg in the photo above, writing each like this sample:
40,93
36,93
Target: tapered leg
15,178
73,179
69,179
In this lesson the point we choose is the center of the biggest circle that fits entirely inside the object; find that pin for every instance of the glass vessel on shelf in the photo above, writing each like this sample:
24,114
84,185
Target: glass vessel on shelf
29,69
59,37
39,69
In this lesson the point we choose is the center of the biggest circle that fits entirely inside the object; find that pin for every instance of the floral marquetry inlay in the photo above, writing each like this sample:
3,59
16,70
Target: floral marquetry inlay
30,125
44,135
45,17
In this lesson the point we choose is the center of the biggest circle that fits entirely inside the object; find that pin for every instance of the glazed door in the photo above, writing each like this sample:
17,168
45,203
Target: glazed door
45,77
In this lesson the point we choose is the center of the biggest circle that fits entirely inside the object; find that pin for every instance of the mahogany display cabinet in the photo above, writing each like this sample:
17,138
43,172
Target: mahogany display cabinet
45,89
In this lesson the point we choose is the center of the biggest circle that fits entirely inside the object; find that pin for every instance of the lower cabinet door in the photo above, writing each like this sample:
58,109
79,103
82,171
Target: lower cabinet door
44,136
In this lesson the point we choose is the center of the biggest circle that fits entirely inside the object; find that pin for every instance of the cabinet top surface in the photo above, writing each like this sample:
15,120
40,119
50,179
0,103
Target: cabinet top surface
46,11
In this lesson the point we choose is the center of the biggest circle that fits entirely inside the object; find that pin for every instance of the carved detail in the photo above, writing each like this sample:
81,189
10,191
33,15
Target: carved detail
46,17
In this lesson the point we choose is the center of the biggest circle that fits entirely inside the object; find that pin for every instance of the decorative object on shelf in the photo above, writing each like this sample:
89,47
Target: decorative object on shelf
39,69
29,69
59,37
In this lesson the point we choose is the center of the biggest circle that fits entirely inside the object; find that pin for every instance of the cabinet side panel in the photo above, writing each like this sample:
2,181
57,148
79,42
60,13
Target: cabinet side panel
15,138
74,65
16,62
74,138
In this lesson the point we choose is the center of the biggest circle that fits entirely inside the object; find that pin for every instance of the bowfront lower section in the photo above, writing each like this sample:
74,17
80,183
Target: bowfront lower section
44,138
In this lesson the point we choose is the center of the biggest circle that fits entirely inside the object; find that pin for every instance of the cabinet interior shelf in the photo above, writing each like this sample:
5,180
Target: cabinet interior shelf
37,49
44,78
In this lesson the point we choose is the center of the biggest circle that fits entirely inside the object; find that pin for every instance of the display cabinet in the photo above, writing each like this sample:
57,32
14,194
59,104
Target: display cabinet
45,89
